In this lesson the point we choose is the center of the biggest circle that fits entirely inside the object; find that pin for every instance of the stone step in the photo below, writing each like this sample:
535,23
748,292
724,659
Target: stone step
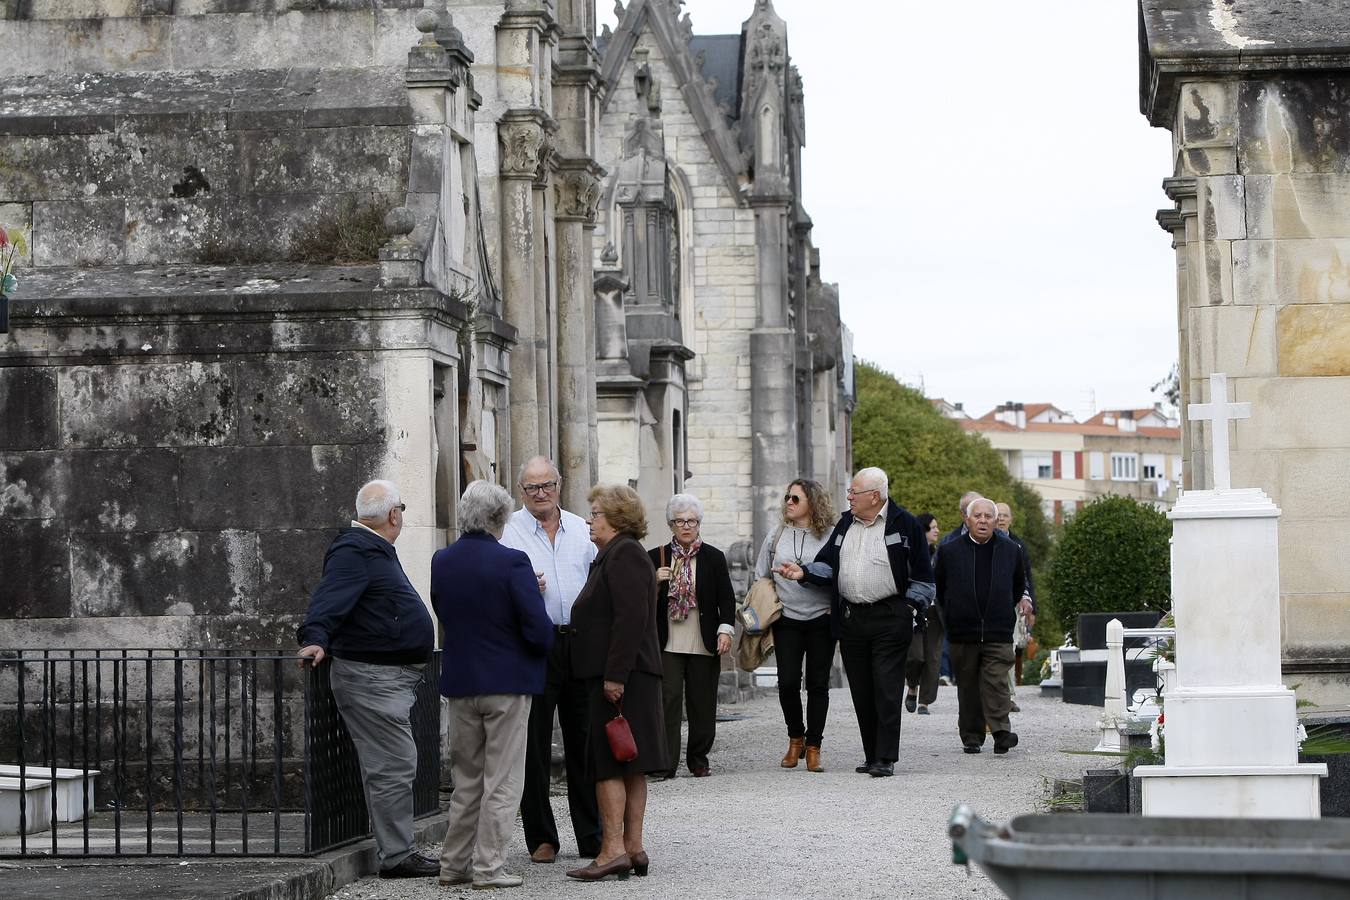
37,803
72,802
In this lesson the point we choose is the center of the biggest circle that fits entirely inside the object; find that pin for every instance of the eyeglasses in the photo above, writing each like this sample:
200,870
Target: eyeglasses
544,487
791,498
402,507
853,493
595,514
684,523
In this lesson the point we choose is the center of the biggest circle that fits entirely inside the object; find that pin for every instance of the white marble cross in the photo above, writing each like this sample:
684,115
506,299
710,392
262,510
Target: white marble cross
1219,412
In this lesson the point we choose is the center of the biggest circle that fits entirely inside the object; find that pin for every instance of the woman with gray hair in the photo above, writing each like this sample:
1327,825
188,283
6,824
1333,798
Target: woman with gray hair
695,609
497,638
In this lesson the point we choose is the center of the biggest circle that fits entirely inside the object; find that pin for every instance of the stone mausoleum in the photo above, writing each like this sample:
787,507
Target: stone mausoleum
281,247
1257,98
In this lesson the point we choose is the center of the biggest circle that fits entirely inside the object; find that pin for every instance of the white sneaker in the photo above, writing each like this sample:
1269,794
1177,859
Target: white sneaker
501,881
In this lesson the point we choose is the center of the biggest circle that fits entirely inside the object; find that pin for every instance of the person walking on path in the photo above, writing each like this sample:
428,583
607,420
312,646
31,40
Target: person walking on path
1025,621
980,581
695,616
876,562
615,650
497,639
963,505
802,632
559,546
368,617
924,661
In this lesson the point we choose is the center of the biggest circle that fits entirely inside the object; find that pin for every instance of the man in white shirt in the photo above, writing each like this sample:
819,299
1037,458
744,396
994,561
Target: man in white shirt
560,550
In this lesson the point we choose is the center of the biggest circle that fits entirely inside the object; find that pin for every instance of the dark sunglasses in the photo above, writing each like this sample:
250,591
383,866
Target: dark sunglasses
791,498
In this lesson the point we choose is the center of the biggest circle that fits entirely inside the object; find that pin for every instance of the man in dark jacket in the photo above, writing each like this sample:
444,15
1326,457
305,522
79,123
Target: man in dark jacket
876,563
368,617
1026,610
980,580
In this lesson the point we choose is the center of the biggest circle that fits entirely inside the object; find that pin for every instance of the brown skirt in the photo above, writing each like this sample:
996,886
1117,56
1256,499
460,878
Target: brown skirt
642,709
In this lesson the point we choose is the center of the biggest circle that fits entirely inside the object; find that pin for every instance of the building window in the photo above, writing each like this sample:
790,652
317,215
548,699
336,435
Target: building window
1096,466
1124,467
1037,465
1153,466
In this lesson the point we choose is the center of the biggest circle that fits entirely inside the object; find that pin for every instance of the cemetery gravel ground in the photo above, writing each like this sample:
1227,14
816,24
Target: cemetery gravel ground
754,830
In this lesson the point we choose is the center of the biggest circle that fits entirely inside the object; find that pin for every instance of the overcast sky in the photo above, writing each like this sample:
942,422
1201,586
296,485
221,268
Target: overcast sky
983,190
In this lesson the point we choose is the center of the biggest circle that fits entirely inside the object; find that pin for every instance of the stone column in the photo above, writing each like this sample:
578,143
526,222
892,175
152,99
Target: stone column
523,137
577,191
773,419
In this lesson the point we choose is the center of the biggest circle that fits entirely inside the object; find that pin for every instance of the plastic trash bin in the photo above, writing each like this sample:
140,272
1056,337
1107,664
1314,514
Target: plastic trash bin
1118,857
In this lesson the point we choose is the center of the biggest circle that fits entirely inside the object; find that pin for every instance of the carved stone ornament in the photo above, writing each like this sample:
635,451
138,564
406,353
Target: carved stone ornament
523,148
578,194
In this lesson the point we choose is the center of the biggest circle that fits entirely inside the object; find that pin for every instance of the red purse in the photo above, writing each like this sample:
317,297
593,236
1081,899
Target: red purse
621,744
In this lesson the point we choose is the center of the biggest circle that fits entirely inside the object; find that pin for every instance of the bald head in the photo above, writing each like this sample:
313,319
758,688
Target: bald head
966,498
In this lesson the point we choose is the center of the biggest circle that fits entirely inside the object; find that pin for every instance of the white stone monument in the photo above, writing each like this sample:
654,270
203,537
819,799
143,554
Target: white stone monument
1230,728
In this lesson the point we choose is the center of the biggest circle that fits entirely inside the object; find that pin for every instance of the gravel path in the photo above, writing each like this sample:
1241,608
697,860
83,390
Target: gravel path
754,830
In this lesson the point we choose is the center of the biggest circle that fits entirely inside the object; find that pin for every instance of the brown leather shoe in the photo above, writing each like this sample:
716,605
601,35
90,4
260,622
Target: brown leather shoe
619,867
813,760
544,853
794,753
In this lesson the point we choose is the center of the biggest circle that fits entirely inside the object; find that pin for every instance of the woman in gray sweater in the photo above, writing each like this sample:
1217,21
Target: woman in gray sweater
803,630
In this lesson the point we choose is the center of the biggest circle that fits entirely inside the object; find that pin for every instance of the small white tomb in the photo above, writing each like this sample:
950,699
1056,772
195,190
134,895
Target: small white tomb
72,803
1230,725
37,799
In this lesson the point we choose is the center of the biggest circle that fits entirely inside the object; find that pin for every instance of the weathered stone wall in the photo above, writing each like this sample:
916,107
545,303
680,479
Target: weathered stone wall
192,460
717,318
1263,233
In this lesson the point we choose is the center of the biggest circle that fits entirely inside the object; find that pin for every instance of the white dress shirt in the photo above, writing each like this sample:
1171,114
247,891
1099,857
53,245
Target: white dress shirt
565,561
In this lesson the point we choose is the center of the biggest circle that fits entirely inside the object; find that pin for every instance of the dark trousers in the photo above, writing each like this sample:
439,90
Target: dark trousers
793,642
983,694
692,678
873,641
925,659
568,696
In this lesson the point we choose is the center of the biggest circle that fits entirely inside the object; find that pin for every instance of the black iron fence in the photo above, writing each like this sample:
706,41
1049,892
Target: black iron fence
201,752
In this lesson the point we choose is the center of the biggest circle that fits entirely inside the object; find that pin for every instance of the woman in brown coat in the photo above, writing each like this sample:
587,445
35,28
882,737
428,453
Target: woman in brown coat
614,649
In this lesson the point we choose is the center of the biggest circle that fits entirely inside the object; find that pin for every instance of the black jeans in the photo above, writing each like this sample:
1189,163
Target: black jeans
873,641
811,640
690,680
568,695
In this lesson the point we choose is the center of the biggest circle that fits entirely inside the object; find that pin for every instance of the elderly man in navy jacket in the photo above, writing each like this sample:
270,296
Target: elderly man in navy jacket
876,561
980,582
497,638
368,617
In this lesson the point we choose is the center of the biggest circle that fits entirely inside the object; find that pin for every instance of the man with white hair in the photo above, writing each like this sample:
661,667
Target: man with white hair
959,530
980,581
368,617
876,563
559,546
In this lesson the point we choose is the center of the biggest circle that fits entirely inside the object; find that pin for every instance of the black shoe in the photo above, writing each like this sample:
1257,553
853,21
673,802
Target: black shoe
882,770
1013,707
1004,741
911,701
414,866
923,711
971,748
865,768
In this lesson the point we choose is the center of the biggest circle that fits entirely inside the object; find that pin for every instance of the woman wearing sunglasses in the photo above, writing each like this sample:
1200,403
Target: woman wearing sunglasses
802,632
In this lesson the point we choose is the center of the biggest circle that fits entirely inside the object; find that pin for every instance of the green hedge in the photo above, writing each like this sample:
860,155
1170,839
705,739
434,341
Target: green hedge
1113,556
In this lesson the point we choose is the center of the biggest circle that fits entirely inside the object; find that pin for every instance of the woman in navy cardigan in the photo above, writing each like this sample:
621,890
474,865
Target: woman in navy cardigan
497,636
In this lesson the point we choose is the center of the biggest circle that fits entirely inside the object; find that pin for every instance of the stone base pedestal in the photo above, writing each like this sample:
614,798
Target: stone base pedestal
1237,792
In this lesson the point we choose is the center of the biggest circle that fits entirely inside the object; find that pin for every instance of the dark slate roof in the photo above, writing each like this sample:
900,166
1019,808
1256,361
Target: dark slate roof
1181,38
722,60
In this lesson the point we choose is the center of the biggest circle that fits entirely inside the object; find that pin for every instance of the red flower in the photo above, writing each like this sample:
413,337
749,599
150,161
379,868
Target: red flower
4,237
1160,718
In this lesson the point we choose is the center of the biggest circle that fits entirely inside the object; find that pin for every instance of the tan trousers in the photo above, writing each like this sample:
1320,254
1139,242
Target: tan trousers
982,688
487,762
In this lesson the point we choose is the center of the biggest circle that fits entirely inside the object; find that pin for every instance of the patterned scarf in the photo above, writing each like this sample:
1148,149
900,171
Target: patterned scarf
681,597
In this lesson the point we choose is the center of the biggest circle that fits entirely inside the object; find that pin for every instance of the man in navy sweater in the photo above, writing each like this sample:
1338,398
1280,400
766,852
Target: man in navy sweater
367,616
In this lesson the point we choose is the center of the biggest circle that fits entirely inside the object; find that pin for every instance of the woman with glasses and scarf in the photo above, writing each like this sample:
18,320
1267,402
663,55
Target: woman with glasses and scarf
802,632
695,609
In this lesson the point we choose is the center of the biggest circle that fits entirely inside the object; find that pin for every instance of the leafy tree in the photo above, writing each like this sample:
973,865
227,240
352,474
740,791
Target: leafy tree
1113,557
931,461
